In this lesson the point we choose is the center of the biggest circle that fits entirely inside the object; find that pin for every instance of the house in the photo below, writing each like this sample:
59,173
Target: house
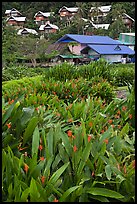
67,13
16,21
41,17
96,47
128,21
48,28
26,31
12,12
128,39
98,13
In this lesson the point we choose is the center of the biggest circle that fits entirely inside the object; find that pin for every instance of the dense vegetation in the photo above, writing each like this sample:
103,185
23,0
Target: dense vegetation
69,140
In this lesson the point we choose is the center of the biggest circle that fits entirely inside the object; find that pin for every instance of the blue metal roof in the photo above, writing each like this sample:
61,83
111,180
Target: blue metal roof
110,49
86,39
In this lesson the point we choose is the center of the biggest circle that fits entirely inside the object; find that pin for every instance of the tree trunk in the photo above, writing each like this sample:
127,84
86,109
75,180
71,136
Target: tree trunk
34,63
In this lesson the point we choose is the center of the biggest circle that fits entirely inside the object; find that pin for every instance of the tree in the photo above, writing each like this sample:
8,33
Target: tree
31,48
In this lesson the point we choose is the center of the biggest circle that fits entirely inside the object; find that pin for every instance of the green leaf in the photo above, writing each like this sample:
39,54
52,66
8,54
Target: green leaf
67,193
108,171
124,130
29,130
35,141
100,198
10,109
58,173
50,141
34,194
105,192
84,157
25,195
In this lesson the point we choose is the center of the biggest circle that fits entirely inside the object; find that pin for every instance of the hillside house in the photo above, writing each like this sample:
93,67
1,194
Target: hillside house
18,22
98,13
67,13
95,47
128,21
27,31
12,12
42,17
48,28
128,39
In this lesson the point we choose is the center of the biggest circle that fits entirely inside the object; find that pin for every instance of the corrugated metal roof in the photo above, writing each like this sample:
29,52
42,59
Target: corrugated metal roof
45,14
86,39
48,25
70,9
110,49
32,31
17,18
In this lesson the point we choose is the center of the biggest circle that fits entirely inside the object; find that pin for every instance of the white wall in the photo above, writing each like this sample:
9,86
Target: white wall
112,58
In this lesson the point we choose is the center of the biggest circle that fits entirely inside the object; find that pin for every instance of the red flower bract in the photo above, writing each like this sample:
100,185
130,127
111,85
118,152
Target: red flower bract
74,148
40,147
69,133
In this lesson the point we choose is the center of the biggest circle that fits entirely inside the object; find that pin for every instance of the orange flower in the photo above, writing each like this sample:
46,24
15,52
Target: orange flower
130,116
118,166
112,125
118,112
70,120
43,179
117,116
55,200
9,125
89,138
106,141
90,124
40,147
69,133
119,126
93,173
37,109
26,167
124,108
102,131
124,168
133,163
42,158
74,148
110,121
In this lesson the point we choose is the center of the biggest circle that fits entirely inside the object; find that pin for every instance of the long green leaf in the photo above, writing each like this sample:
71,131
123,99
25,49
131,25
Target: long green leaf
25,194
58,173
84,157
105,192
68,192
35,141
29,130
34,194
108,171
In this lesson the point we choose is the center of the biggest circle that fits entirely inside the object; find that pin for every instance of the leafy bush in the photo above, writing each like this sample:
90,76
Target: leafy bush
14,72
82,160
120,75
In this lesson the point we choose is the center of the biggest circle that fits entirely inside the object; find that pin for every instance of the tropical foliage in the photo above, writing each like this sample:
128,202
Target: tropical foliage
63,141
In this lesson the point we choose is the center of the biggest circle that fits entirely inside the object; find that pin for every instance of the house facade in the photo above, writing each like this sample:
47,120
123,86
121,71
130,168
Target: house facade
16,21
98,13
67,13
27,31
96,47
42,17
128,39
48,28
12,12
128,21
